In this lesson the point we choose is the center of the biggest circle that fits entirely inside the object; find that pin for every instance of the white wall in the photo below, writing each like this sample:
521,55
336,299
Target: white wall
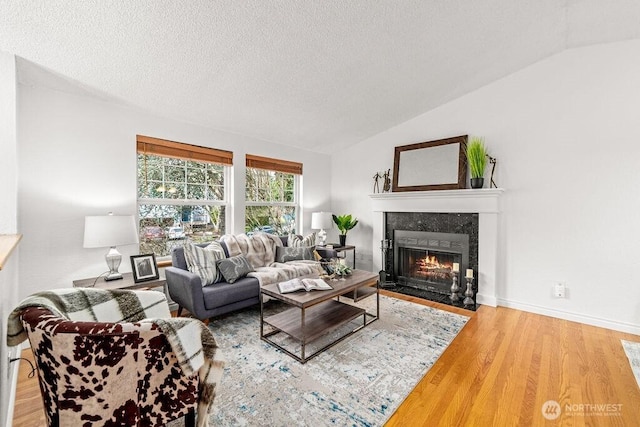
565,132
8,159
77,157
8,225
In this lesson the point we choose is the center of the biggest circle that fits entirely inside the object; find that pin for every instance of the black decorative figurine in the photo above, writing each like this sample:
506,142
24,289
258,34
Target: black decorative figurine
493,161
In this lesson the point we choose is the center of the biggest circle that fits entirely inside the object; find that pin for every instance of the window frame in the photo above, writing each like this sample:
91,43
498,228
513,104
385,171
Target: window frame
186,152
282,166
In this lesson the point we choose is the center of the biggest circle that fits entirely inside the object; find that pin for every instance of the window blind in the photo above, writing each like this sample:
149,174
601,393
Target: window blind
268,163
179,150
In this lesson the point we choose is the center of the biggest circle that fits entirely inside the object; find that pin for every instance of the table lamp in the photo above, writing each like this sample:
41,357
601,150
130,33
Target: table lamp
109,231
321,221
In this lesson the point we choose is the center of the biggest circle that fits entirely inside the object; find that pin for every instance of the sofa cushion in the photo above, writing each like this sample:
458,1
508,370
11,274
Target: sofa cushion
223,293
297,241
284,254
202,261
234,268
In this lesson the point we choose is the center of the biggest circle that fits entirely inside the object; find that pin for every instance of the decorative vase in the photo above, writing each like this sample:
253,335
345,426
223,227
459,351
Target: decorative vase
343,239
477,182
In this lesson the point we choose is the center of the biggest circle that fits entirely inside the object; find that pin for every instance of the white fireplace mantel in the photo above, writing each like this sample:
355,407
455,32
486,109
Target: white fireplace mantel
484,202
467,201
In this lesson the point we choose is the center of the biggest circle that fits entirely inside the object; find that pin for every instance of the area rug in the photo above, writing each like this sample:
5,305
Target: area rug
360,382
632,349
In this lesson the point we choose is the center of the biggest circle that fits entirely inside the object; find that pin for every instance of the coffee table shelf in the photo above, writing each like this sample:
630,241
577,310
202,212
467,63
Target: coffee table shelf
361,293
319,320
317,314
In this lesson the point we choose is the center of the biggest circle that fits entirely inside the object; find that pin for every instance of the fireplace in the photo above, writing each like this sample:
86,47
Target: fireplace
472,212
424,260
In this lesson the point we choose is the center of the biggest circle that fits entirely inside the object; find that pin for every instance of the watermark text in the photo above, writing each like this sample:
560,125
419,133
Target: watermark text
552,410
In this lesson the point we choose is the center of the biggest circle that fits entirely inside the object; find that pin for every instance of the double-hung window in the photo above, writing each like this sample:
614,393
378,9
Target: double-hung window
272,195
181,193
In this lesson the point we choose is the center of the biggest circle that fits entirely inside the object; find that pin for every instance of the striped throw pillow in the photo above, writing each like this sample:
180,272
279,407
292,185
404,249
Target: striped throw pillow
202,261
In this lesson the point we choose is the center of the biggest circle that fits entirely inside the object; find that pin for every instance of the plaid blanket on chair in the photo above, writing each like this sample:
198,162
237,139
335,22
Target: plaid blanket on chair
191,341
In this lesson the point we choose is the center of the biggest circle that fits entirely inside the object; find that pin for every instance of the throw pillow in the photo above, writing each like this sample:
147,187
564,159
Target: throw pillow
202,261
234,268
296,241
284,254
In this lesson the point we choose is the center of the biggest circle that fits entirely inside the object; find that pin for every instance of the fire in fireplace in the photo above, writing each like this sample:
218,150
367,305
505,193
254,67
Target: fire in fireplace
424,260
429,266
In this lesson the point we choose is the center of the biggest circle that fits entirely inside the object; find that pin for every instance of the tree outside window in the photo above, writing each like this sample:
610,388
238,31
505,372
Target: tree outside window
271,201
179,199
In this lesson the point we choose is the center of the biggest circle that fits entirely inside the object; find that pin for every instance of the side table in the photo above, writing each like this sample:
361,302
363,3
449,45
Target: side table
345,248
125,283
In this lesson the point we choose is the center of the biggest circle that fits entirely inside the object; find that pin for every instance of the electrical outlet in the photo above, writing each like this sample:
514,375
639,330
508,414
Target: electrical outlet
559,290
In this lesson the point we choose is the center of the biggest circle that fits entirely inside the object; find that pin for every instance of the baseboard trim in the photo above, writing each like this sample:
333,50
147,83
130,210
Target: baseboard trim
574,317
486,300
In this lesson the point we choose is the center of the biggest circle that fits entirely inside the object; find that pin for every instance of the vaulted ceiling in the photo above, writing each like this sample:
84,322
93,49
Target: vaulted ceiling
316,74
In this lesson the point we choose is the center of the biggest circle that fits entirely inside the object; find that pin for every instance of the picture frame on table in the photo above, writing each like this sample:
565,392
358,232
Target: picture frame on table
144,268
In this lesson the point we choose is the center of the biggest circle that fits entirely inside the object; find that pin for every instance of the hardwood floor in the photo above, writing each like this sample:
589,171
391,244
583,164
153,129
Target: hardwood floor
498,371
28,410
505,364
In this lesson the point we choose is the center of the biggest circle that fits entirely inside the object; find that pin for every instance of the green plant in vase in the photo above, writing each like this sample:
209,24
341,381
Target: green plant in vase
344,224
477,159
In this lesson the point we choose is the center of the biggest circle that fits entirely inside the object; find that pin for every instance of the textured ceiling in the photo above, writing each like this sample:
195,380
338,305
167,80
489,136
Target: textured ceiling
315,74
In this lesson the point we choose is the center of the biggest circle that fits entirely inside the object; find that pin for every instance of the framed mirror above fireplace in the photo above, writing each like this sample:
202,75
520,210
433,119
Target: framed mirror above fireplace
432,165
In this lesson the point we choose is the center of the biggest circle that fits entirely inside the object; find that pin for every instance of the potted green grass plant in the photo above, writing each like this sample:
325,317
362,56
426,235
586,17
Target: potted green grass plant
477,159
344,224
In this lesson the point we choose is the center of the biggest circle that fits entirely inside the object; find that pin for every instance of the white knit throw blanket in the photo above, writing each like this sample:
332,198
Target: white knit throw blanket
259,249
191,341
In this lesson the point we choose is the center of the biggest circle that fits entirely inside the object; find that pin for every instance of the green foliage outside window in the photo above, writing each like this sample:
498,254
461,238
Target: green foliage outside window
167,178
276,194
278,220
269,186
173,195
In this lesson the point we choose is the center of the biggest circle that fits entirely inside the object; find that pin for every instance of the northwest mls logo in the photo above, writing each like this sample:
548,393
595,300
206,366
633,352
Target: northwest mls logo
551,409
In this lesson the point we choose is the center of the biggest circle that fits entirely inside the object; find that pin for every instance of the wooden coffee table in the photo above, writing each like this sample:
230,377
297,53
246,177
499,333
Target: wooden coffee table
316,313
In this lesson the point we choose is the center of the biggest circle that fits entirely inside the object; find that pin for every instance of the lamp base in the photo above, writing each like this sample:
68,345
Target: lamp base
321,238
114,258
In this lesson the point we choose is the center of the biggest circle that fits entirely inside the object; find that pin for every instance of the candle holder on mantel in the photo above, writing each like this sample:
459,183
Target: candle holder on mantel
455,288
468,300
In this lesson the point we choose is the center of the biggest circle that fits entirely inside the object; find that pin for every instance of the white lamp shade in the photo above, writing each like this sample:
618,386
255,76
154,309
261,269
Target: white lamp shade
109,230
321,220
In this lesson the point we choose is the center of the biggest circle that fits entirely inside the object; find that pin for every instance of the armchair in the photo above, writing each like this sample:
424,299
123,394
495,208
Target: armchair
115,373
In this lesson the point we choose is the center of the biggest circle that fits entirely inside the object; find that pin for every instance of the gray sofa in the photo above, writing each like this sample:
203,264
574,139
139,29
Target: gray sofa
185,288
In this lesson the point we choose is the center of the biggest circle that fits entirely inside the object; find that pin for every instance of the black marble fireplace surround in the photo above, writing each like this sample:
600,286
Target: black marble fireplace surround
457,223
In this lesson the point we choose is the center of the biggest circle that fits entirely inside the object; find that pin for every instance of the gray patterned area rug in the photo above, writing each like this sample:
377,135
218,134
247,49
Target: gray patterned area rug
633,354
361,381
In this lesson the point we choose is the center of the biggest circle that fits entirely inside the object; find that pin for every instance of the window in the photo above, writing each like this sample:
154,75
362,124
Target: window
181,193
272,195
